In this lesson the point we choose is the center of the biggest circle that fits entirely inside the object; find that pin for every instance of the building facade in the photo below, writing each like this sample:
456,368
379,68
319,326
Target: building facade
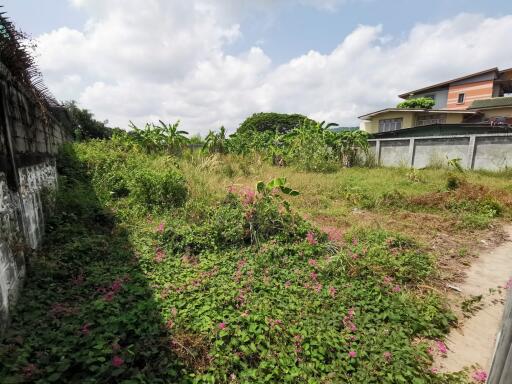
480,98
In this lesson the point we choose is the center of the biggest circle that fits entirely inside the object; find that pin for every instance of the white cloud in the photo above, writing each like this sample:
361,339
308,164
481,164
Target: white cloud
166,60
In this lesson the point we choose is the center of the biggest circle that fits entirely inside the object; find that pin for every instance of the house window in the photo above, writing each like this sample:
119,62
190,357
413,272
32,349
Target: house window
431,118
460,100
387,125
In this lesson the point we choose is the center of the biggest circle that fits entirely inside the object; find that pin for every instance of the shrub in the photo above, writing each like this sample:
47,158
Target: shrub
158,189
418,103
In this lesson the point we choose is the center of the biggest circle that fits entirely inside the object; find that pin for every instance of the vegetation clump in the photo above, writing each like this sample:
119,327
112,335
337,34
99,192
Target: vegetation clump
203,289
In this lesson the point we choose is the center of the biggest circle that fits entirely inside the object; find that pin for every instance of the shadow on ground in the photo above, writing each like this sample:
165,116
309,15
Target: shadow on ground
87,314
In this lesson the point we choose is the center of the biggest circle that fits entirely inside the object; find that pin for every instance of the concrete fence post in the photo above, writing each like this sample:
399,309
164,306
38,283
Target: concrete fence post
377,152
471,152
412,145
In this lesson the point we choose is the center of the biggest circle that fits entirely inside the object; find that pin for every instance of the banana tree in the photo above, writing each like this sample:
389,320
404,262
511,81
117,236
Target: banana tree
348,144
174,139
215,142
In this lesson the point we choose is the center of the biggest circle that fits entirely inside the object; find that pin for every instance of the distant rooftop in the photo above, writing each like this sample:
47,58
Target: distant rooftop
495,102
448,111
445,83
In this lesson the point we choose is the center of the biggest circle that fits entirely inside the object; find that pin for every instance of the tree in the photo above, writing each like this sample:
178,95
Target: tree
85,125
262,122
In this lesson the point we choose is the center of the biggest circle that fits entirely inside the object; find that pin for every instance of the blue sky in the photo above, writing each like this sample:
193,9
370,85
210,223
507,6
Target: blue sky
231,57
289,30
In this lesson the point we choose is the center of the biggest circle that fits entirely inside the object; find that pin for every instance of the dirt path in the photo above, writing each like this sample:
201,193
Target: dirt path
473,344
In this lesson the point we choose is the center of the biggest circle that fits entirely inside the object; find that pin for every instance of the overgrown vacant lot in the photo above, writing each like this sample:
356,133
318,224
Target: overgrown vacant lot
160,269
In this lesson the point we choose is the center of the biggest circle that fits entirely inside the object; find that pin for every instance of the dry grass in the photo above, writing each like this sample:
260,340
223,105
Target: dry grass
359,197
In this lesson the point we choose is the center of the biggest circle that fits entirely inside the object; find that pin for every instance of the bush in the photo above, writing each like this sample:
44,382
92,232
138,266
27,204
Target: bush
157,189
117,173
280,122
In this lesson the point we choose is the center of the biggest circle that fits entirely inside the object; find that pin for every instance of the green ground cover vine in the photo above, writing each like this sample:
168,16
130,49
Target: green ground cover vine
141,281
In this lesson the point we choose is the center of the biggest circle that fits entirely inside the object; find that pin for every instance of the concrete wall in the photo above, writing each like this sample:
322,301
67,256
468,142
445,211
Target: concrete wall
490,152
29,141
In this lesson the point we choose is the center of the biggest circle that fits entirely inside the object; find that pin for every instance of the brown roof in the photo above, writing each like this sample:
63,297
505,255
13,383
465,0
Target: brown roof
450,111
406,94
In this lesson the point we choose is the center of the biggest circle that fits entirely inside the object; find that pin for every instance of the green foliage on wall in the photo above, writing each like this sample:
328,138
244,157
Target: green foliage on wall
419,103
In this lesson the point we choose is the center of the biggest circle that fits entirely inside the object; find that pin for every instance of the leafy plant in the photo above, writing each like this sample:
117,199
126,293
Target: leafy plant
215,142
455,164
417,103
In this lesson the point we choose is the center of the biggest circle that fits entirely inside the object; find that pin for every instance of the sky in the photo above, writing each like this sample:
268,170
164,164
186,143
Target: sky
214,62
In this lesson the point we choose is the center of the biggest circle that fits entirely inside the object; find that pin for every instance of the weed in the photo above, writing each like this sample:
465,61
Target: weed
472,305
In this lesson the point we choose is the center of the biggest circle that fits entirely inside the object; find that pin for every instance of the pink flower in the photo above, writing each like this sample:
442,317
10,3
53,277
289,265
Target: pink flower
355,242
160,255
348,320
109,296
480,376
85,329
313,275
160,228
29,370
287,284
387,280
387,356
352,354
441,347
310,238
396,288
222,325
333,234
434,370
117,361
430,351
312,262
249,197
332,291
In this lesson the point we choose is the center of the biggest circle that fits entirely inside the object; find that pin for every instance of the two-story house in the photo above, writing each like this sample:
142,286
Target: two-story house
480,98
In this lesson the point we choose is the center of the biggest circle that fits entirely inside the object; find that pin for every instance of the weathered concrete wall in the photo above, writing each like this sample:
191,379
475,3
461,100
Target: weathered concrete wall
490,151
29,141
